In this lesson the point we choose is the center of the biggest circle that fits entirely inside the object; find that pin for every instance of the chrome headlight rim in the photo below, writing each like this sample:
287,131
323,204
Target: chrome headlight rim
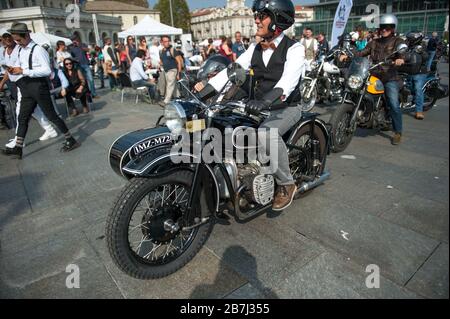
355,82
175,117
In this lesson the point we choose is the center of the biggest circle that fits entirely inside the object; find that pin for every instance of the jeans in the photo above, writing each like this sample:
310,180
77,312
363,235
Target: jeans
418,82
89,78
392,96
431,55
150,86
112,79
101,75
283,120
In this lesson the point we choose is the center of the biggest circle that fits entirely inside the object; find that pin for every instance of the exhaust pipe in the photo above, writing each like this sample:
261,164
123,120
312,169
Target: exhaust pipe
310,185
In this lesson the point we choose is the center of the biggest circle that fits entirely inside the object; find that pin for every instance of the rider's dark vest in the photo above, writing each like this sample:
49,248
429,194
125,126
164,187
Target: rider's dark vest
266,77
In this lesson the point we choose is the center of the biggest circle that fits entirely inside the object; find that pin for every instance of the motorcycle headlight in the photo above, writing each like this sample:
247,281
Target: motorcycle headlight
355,82
175,117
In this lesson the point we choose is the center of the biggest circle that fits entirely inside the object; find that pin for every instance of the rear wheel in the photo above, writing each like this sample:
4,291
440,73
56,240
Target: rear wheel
140,238
301,162
341,132
429,100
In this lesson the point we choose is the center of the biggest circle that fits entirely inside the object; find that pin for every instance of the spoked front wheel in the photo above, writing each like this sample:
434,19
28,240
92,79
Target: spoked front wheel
145,232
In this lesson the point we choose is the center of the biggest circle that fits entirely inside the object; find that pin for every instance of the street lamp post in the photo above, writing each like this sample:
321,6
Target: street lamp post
171,12
425,22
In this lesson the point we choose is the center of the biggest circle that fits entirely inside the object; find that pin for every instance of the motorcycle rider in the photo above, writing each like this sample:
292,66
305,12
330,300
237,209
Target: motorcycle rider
378,50
277,63
416,66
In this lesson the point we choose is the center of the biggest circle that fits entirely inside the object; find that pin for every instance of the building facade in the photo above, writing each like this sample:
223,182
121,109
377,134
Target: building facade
128,13
51,17
427,16
215,22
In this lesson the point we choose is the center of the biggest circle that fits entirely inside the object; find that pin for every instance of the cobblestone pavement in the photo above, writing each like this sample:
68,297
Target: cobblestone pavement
384,205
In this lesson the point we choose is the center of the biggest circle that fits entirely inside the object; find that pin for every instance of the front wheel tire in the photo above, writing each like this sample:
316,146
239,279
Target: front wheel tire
341,132
149,251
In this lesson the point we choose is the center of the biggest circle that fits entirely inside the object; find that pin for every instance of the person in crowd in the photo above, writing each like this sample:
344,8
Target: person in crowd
143,46
11,56
225,48
238,46
322,44
100,61
311,46
154,52
171,66
416,66
130,48
378,50
111,63
210,50
188,52
33,69
77,87
78,52
138,76
123,56
61,53
246,43
179,55
431,49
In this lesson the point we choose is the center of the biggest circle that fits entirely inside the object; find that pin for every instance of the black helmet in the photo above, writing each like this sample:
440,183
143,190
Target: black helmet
282,12
212,66
346,37
414,38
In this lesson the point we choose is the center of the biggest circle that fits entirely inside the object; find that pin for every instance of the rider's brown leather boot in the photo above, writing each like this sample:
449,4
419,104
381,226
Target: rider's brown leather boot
397,139
419,116
284,197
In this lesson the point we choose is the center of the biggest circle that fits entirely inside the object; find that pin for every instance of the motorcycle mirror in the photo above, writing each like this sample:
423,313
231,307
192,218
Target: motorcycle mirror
236,74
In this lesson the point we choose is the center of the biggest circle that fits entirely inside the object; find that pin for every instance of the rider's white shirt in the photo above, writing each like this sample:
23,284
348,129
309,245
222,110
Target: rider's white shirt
293,68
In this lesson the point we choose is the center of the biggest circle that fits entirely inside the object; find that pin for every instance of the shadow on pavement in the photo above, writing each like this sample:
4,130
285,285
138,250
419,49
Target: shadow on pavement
248,262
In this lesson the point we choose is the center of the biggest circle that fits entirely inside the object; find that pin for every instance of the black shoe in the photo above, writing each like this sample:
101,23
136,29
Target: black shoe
15,152
70,145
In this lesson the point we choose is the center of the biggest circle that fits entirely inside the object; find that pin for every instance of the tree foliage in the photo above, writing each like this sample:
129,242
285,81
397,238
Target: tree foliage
181,14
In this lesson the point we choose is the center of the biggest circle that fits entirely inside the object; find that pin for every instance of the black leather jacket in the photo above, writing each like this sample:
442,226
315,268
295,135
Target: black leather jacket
380,49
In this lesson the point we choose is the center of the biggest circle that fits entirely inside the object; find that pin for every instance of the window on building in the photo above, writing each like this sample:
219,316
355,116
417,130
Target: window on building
33,3
51,4
25,3
135,20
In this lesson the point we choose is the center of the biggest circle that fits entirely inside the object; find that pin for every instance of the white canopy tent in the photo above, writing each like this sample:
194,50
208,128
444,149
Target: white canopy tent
150,27
49,39
43,38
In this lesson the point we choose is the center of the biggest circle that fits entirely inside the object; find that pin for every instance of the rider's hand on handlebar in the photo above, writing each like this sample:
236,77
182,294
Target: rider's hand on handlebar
199,86
255,107
343,58
399,62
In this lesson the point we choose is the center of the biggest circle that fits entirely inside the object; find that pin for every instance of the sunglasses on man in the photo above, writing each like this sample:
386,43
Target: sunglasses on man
260,15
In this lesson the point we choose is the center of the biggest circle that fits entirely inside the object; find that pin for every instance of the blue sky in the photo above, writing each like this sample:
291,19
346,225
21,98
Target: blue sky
195,4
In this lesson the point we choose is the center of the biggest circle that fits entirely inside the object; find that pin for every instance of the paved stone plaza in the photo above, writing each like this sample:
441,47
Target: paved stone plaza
384,205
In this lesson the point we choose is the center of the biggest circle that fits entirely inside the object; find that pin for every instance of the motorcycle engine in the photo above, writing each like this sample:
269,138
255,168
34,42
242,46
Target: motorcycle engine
259,188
